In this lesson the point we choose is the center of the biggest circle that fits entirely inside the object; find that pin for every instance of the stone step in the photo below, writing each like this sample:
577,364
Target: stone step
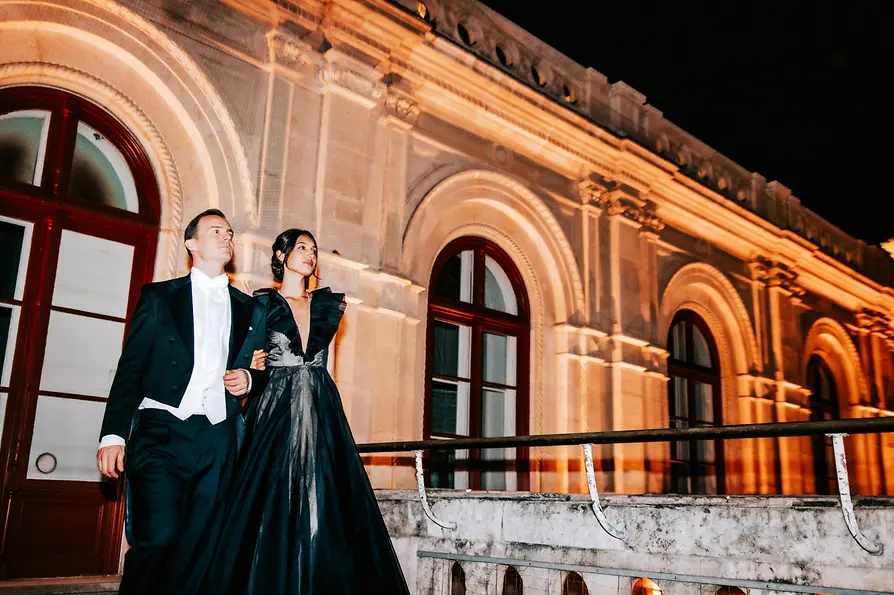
81,585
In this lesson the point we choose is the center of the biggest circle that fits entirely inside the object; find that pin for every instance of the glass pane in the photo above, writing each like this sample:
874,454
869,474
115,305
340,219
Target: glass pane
707,479
704,403
451,349
68,367
93,274
677,342
679,399
3,399
450,408
498,419
23,141
499,358
701,355
455,279
680,480
9,325
64,440
498,291
705,451
15,245
99,173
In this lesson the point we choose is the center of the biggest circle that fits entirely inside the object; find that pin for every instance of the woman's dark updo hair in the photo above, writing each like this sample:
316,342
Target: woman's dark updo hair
285,243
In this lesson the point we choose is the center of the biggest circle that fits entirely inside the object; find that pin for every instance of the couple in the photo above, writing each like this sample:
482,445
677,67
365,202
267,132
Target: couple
279,504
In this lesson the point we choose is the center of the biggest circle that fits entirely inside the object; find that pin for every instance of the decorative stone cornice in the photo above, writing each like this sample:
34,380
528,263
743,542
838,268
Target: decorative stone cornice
402,107
646,216
342,76
776,274
643,214
289,51
877,323
594,194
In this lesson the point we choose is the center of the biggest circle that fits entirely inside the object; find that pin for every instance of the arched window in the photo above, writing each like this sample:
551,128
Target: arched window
696,467
477,365
457,580
730,591
574,585
512,582
823,406
645,586
79,218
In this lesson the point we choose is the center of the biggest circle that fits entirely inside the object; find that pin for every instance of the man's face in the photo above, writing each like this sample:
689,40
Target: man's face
213,242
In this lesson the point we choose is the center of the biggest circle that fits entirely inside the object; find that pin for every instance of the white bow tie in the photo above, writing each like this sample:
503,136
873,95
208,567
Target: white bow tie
220,281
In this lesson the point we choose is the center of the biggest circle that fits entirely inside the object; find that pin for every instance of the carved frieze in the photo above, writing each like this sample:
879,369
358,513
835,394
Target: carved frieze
291,52
878,323
402,107
342,76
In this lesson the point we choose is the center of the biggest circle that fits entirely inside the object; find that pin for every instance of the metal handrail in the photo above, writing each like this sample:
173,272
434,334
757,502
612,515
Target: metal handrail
837,429
874,425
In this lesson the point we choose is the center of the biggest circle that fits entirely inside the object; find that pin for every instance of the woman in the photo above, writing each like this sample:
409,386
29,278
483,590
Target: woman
301,518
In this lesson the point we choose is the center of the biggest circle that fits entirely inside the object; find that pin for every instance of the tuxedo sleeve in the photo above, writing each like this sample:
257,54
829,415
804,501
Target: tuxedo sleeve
124,396
259,328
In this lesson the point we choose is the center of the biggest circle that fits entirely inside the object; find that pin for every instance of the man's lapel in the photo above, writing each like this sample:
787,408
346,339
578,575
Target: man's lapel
181,309
240,305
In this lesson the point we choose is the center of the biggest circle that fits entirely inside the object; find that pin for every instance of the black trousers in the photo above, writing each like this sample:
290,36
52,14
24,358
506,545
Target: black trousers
175,471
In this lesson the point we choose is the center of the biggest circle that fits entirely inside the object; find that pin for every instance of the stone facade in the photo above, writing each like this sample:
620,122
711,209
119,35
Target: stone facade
389,135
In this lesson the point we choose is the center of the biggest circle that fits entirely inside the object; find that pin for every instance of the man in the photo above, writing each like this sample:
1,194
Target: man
177,394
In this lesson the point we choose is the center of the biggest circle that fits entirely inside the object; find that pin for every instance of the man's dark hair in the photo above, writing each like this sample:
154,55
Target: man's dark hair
193,227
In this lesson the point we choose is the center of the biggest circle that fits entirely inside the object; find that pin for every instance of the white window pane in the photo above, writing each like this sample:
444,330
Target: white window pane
452,347
497,420
70,368
65,430
99,173
23,142
93,274
499,358
677,345
455,279
498,292
3,400
15,246
9,326
701,355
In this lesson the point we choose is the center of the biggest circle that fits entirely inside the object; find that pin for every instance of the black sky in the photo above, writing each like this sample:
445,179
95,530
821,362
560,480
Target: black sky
788,89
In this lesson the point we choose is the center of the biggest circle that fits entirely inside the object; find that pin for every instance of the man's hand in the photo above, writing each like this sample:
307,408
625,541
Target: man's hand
259,360
236,382
110,461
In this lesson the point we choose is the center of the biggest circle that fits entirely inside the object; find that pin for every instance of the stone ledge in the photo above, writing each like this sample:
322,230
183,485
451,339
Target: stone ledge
83,585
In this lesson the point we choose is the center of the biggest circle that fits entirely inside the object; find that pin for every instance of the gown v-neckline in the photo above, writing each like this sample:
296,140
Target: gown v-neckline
301,336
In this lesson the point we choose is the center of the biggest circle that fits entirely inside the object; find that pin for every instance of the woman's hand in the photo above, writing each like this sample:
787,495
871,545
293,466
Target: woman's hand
259,360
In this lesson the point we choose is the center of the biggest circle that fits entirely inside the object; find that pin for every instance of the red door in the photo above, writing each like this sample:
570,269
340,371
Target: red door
78,228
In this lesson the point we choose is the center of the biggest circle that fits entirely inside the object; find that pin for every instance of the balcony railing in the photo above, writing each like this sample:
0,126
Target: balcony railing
836,429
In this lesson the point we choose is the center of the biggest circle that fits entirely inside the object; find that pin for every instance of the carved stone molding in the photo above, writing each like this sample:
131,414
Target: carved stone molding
334,74
877,323
644,214
593,193
402,107
776,274
290,52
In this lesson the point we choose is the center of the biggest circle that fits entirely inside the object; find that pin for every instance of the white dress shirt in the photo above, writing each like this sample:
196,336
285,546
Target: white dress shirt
212,318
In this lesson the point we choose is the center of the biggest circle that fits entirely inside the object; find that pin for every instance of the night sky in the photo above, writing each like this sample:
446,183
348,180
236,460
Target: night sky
788,89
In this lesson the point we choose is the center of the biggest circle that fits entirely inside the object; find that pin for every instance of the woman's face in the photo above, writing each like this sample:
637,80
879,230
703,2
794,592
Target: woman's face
303,259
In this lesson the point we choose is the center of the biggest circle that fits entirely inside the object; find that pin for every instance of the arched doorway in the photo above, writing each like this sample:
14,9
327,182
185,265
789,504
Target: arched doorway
694,400
79,217
823,407
477,364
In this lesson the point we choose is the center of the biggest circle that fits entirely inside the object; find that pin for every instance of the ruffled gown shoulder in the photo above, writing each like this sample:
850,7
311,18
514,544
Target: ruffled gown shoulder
301,518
